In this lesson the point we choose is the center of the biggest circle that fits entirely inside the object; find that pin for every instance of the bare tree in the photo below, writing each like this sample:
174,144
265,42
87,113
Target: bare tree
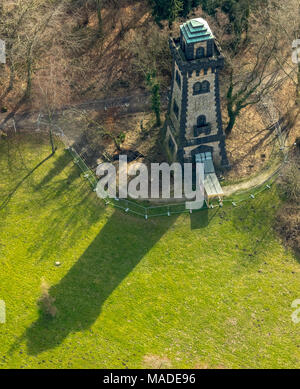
33,31
10,23
265,63
250,82
23,28
157,56
284,21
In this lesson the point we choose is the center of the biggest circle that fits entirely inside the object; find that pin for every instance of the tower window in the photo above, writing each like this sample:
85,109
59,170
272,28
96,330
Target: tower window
205,87
176,109
178,79
201,121
202,126
197,88
210,48
201,87
200,52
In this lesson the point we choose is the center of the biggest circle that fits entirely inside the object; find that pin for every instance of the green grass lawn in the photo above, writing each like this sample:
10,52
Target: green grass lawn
211,290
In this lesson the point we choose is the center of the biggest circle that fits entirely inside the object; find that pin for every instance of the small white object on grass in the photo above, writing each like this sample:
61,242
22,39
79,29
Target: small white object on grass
57,263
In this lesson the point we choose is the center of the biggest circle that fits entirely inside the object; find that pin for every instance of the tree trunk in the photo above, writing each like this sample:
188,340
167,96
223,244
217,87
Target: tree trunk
11,78
158,121
230,110
298,86
231,123
156,103
29,73
99,9
52,141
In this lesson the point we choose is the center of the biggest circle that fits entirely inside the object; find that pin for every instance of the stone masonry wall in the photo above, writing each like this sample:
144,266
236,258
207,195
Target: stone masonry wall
177,96
203,104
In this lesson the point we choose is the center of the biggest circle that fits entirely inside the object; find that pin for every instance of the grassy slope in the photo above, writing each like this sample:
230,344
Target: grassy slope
214,290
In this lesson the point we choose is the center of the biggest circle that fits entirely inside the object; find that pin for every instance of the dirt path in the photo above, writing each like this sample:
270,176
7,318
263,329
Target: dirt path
129,104
258,180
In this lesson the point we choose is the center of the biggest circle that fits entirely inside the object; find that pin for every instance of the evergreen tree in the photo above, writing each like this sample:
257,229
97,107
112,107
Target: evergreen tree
237,10
187,6
161,9
176,7
171,9
154,86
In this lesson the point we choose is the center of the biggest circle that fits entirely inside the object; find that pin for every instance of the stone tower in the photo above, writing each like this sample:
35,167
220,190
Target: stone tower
194,123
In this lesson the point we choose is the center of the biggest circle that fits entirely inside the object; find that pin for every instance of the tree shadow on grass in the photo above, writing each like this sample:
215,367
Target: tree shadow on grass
56,187
79,296
7,199
54,184
59,165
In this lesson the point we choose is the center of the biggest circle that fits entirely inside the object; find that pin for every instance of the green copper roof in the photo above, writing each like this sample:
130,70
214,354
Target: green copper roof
196,30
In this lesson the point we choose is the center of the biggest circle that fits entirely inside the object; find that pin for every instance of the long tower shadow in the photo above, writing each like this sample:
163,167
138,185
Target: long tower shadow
79,296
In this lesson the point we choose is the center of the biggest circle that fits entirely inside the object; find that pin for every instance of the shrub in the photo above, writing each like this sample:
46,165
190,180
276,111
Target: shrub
162,9
156,55
46,301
